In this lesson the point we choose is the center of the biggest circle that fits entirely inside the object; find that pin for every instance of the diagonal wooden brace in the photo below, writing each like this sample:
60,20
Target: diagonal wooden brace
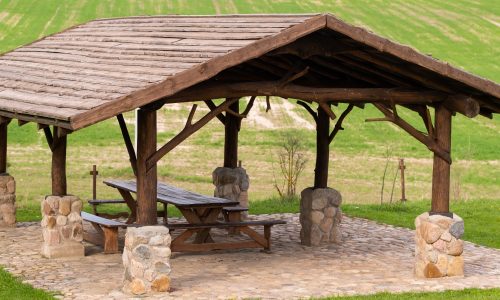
188,130
421,137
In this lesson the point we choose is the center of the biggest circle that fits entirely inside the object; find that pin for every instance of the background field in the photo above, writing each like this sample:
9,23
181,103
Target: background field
464,33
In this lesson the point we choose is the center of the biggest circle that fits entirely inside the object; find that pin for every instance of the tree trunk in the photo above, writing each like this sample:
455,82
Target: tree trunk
231,137
441,168
59,185
322,150
146,180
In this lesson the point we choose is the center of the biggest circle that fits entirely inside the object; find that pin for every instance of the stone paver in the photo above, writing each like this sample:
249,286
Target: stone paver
372,258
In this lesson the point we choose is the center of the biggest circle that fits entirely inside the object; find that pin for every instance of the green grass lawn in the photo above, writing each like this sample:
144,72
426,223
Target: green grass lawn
488,294
13,288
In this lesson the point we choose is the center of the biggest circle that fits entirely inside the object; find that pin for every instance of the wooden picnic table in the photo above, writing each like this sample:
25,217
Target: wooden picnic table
196,208
201,213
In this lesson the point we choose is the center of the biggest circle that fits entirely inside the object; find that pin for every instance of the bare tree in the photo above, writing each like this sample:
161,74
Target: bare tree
292,161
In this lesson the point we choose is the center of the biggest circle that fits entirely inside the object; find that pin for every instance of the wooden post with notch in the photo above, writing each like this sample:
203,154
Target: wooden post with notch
231,128
146,179
59,185
3,146
94,174
441,168
322,149
402,167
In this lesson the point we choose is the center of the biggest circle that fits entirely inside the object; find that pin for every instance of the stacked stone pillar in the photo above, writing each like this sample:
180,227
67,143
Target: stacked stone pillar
62,227
7,201
146,257
439,248
320,216
232,184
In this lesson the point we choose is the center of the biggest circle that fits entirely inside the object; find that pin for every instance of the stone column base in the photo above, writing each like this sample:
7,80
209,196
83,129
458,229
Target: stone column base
320,216
438,247
68,249
146,257
62,227
232,184
7,201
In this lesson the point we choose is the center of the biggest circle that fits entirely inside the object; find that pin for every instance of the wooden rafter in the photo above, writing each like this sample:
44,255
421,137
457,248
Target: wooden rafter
187,131
291,76
314,46
420,136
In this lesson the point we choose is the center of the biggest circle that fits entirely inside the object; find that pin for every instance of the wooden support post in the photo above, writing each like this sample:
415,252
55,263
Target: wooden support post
231,137
146,179
441,168
322,149
59,186
94,174
3,147
402,167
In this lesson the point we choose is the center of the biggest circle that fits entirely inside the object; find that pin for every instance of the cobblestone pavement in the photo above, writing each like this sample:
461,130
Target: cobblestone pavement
372,258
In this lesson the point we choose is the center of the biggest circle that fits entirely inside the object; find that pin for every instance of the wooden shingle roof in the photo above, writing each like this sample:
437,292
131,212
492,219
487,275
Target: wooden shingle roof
94,71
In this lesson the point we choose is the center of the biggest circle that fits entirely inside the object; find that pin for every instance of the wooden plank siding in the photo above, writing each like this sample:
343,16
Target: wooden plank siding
100,69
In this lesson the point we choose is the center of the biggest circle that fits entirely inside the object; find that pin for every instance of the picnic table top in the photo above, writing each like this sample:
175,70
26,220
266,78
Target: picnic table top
174,195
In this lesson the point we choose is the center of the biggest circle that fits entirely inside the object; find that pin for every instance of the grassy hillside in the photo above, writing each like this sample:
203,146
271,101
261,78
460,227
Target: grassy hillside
464,33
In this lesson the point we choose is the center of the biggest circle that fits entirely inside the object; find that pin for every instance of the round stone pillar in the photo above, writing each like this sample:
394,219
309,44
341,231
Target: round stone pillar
320,216
438,247
146,258
232,184
7,201
62,227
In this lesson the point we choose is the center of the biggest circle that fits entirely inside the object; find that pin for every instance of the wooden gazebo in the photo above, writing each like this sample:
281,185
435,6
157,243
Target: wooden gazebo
101,69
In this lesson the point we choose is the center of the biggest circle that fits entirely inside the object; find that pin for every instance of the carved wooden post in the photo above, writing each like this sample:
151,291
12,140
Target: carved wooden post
322,150
231,126
441,168
146,179
3,146
59,185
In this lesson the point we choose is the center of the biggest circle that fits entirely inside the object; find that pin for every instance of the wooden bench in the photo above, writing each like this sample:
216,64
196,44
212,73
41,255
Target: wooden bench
258,241
96,202
107,232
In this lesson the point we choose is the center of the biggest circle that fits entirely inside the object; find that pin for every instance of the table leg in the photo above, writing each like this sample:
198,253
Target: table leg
202,216
132,205
165,213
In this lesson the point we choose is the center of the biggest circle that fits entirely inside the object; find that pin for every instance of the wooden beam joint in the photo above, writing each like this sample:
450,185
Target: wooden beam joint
420,136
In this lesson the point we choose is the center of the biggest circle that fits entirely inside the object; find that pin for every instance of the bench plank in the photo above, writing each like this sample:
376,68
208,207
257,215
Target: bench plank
101,221
106,201
225,224
235,209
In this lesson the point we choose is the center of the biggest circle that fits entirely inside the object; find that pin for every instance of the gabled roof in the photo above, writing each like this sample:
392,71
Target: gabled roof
97,70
